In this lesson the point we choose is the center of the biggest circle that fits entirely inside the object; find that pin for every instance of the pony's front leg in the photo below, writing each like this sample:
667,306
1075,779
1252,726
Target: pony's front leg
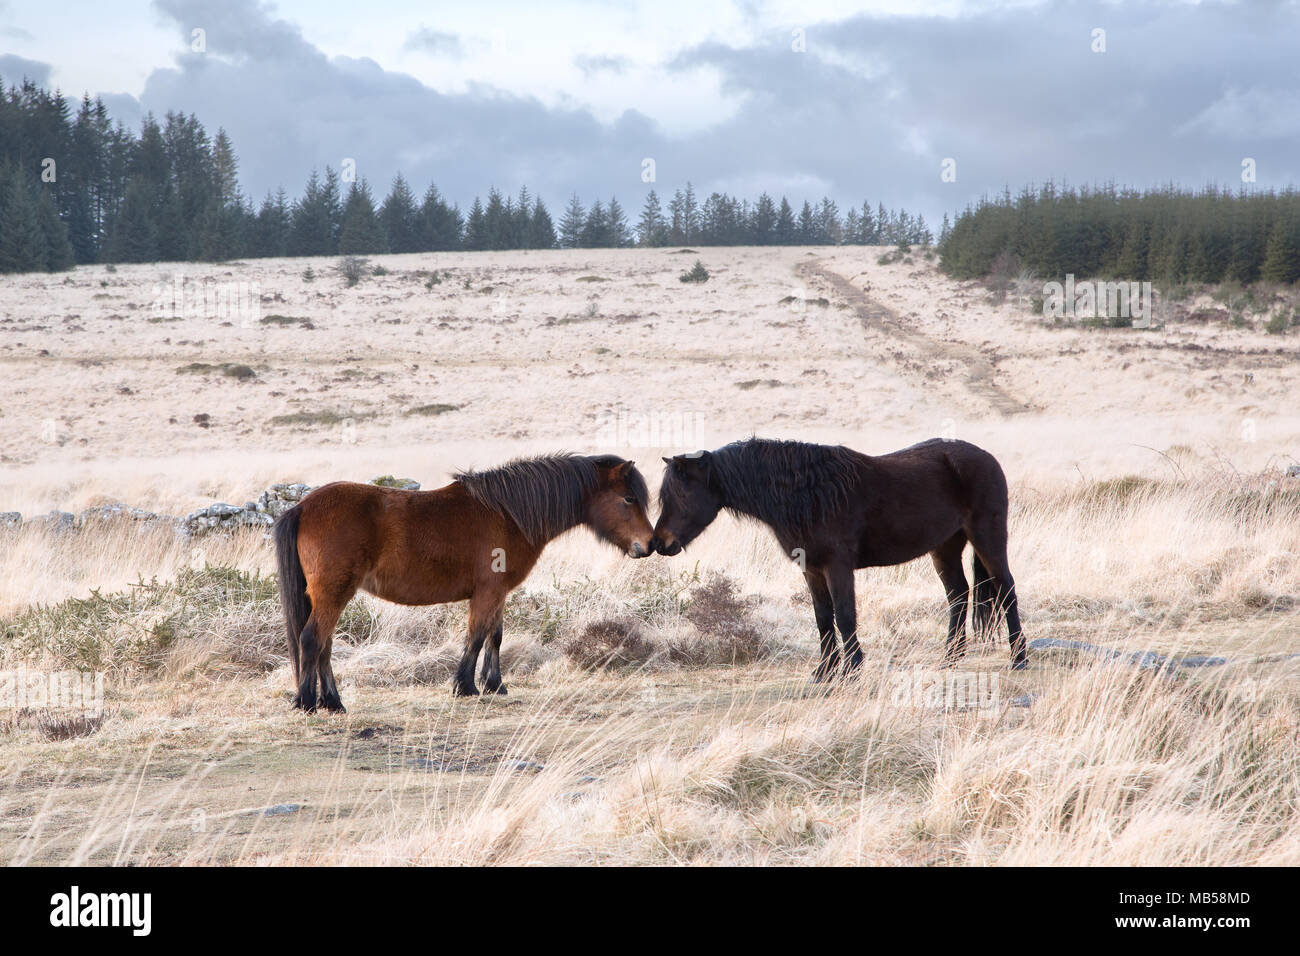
823,610
491,672
844,598
484,619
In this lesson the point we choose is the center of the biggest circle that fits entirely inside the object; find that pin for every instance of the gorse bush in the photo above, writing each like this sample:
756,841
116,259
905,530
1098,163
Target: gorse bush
143,627
353,269
697,273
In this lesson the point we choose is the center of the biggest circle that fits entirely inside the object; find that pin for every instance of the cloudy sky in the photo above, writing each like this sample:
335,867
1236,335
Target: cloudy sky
853,100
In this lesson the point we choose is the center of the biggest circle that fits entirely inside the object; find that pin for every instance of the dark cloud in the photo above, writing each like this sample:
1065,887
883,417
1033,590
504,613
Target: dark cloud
290,108
13,69
870,110
441,44
1182,93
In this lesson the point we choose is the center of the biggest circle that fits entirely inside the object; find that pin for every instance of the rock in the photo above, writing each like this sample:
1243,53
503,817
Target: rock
1198,660
11,519
1145,660
1293,471
117,512
280,809
524,766
270,504
58,521
388,481
279,498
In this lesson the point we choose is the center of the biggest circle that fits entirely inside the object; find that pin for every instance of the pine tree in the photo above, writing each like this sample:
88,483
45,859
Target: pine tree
441,227
1282,258
807,227
786,232
595,230
271,232
572,223
541,231
400,218
58,250
476,232
617,233
521,223
762,228
23,244
866,226
312,231
135,238
361,233
651,229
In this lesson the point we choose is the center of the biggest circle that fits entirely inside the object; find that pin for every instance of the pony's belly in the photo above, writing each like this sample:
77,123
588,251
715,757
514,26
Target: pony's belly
879,554
417,590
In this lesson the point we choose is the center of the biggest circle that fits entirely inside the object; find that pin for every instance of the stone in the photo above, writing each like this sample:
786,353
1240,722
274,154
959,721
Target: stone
280,497
58,521
117,511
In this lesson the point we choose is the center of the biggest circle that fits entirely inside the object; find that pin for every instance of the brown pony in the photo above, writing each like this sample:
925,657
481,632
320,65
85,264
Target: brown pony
475,539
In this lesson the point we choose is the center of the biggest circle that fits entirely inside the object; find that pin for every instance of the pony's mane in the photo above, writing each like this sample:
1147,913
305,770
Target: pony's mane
790,485
547,495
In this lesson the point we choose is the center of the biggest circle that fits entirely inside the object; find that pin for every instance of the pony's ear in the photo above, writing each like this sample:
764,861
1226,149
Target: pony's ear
696,463
621,470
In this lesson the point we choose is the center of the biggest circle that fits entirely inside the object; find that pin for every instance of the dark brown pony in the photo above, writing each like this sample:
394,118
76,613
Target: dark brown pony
834,509
475,539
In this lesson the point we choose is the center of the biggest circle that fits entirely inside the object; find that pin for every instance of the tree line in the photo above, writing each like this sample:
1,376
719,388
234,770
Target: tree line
1167,234
76,187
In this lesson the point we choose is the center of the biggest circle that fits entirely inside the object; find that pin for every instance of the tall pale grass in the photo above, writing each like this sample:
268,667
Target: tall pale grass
1080,762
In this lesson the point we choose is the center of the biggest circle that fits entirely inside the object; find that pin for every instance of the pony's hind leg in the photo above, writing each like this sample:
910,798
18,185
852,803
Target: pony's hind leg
982,623
329,688
989,536
824,611
491,671
314,646
947,561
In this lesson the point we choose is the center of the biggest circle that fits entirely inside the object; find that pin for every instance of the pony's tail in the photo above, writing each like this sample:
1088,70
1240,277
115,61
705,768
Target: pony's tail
293,583
985,596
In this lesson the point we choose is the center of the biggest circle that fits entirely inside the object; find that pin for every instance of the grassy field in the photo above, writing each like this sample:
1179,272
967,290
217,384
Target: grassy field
660,710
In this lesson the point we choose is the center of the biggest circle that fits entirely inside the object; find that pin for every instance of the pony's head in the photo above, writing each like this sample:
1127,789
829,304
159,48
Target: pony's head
616,509
688,501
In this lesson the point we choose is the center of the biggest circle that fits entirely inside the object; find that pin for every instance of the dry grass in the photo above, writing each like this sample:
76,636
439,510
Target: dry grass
659,710
637,732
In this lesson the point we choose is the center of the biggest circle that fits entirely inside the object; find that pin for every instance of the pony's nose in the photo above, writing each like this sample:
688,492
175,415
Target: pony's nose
639,550
667,549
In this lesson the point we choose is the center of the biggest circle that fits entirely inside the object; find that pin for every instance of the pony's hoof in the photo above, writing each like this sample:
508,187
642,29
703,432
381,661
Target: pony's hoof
460,690
1020,665
335,707
499,689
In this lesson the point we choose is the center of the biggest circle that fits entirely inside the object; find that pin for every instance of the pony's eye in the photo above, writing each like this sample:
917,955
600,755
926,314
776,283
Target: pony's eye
630,500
